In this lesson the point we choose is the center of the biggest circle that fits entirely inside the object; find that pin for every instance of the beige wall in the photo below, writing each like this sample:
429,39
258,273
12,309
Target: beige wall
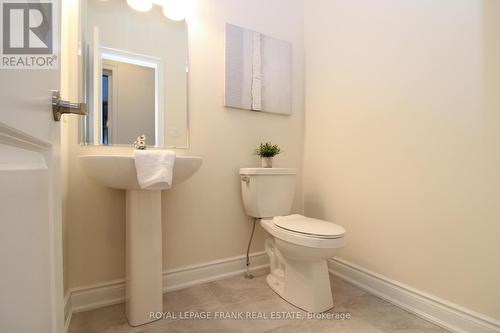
402,139
203,217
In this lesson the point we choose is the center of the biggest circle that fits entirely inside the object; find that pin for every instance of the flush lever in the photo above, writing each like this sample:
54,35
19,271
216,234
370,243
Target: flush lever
60,107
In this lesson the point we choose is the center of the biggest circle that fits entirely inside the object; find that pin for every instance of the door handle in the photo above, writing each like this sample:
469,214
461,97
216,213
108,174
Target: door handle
60,107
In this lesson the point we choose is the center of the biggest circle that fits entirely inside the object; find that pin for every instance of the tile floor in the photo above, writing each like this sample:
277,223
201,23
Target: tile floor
241,296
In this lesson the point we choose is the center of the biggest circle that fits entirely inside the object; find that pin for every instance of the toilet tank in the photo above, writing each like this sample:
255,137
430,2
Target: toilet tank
267,192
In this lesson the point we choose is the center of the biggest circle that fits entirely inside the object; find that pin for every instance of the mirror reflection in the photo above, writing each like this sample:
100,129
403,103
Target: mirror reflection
128,100
136,76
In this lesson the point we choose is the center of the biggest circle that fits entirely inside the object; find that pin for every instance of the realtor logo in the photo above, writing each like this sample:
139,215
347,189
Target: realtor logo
27,34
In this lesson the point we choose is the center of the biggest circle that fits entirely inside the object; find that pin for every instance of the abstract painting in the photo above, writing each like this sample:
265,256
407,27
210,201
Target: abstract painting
258,71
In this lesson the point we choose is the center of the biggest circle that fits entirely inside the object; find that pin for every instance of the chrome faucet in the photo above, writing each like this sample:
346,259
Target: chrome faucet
140,142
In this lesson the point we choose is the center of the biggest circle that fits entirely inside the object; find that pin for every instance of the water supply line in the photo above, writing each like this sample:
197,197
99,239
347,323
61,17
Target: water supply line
247,274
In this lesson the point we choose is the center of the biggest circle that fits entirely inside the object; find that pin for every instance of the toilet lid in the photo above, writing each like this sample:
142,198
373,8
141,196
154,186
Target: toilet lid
309,226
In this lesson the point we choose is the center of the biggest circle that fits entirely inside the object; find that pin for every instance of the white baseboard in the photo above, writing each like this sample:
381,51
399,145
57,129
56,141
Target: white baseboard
67,311
450,316
113,292
443,313
212,271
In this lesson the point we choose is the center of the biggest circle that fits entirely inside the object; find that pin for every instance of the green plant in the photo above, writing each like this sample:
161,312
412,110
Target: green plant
267,150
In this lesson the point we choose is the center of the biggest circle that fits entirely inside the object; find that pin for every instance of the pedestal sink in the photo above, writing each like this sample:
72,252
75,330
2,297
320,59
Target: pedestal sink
144,278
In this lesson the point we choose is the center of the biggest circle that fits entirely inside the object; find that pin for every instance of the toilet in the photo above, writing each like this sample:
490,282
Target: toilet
299,246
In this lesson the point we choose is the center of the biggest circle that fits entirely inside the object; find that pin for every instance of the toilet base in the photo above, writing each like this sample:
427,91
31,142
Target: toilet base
303,283
310,297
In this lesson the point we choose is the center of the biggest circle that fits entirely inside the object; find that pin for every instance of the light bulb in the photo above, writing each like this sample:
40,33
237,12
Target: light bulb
140,5
176,10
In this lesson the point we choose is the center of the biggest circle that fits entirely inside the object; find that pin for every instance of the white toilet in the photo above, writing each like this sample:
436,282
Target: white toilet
300,246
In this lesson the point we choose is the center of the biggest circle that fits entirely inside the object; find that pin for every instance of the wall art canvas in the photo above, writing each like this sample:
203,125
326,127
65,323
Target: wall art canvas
258,71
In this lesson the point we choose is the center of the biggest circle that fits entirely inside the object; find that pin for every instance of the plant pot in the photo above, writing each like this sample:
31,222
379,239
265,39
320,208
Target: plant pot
266,162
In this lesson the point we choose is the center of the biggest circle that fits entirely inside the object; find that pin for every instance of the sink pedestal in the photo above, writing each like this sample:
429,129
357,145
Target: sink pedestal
144,281
144,264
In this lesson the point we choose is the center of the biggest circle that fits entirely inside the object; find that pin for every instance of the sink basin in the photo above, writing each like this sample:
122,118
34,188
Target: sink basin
118,171
143,228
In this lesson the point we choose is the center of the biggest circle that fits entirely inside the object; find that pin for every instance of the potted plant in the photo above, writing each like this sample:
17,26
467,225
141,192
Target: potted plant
267,151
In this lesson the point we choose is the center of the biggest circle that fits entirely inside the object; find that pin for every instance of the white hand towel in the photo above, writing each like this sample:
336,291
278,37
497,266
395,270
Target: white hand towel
154,166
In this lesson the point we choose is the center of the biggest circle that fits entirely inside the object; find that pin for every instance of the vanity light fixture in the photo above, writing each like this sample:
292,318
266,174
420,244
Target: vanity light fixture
140,5
175,10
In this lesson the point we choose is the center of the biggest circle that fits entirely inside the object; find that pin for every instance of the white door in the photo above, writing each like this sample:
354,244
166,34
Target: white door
31,286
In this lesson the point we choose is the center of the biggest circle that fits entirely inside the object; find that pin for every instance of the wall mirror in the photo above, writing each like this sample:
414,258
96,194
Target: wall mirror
135,69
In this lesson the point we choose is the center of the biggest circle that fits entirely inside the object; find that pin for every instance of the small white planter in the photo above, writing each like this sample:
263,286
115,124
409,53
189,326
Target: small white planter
267,162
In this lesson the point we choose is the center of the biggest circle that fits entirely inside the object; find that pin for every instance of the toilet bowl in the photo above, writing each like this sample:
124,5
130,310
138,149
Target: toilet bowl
299,246
299,269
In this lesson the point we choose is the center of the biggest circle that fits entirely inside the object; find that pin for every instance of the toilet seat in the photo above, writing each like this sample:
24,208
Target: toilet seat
298,238
309,226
